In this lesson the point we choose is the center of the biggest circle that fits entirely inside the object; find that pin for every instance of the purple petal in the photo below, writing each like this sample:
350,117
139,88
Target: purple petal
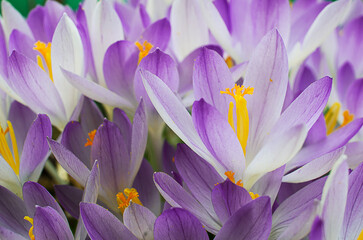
97,92
149,195
69,162
345,78
317,132
177,223
35,148
354,98
111,151
294,206
176,196
354,152
303,79
22,43
315,168
13,211
21,117
199,176
252,221
138,139
211,75
48,225
140,221
73,138
91,116
352,224
164,67
168,153
269,184
69,197
35,194
119,68
223,9
121,119
269,62
228,198
101,224
3,54
218,136
158,34
8,234
317,229
36,19
34,86
332,142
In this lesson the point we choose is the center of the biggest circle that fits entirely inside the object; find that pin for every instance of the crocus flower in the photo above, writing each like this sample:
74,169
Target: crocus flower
39,216
20,161
119,148
264,139
46,90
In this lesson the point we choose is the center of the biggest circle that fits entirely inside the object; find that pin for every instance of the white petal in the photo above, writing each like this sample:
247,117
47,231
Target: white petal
8,178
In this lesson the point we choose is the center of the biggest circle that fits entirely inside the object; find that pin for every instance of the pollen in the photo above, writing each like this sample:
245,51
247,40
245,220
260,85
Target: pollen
254,195
331,118
91,136
229,62
230,176
242,128
347,118
11,157
44,50
31,235
124,199
144,49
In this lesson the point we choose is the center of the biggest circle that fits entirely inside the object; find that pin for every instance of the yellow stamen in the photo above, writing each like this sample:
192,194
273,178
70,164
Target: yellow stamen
254,195
230,176
124,199
29,219
360,237
331,117
11,158
242,128
347,118
45,51
144,49
229,62
91,136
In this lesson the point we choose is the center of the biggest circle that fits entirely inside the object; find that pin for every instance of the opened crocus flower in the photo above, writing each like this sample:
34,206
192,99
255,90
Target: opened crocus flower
39,216
272,138
119,148
20,161
33,77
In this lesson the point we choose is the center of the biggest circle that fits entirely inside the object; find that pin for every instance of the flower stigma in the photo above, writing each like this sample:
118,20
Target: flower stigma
29,219
91,136
44,50
144,49
331,118
124,199
11,157
230,176
241,130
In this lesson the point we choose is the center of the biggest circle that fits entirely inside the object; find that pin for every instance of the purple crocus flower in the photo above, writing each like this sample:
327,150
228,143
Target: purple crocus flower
39,216
273,138
19,160
34,78
119,148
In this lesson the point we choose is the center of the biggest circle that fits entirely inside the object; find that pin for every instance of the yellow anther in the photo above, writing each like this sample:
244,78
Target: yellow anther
229,62
124,199
144,49
29,219
254,195
91,136
12,158
242,128
360,237
230,176
44,50
347,118
331,117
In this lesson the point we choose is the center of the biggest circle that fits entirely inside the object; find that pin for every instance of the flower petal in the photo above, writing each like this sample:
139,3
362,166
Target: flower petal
140,221
69,197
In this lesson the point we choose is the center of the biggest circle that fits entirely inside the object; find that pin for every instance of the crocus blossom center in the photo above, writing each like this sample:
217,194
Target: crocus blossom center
91,136
241,130
44,50
124,199
144,49
331,118
29,219
11,157
230,176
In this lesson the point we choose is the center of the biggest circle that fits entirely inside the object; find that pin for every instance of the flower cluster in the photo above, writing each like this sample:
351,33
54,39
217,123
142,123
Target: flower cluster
183,119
